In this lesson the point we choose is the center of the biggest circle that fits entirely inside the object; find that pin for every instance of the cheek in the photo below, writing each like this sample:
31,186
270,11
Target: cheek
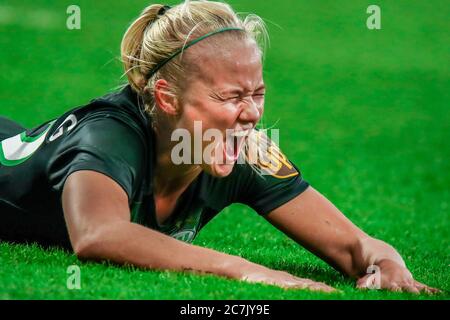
225,116
186,120
211,115
260,108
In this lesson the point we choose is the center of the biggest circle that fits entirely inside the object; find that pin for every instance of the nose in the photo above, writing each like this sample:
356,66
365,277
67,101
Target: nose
251,111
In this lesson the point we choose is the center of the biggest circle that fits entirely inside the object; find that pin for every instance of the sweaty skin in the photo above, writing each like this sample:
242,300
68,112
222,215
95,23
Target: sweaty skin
225,92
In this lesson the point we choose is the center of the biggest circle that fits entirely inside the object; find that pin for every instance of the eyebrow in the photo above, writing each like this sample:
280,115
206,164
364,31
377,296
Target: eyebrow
239,91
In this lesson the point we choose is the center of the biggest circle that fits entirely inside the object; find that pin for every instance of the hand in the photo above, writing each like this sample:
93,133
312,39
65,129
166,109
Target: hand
260,274
393,276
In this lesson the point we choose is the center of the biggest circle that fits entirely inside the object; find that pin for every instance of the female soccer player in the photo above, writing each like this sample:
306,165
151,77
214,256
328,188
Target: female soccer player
104,179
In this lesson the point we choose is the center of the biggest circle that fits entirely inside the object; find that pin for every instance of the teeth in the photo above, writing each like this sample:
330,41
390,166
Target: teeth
240,133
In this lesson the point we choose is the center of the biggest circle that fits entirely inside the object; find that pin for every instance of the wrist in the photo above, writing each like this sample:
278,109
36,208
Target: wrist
228,266
390,263
371,251
238,268
390,260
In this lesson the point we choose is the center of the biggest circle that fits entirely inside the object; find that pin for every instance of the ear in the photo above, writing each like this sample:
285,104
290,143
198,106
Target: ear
165,101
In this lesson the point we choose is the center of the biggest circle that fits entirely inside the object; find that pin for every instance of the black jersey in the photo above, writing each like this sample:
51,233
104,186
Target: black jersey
113,136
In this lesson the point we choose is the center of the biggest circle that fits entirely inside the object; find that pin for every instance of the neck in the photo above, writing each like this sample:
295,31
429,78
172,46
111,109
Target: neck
170,178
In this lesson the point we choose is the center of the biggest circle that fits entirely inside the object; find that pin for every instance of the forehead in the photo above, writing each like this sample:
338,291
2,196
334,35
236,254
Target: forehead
226,64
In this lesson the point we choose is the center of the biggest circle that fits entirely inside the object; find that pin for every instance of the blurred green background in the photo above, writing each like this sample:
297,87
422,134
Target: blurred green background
363,113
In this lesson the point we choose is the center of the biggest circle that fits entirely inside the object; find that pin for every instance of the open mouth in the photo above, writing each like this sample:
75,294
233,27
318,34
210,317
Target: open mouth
234,143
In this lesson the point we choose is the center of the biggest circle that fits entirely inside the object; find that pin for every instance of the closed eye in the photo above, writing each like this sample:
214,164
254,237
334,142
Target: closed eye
236,98
239,97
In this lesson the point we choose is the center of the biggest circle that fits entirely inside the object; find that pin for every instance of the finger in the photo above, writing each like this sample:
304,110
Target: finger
314,286
323,286
421,287
320,287
431,290
308,283
427,289
394,287
327,288
411,289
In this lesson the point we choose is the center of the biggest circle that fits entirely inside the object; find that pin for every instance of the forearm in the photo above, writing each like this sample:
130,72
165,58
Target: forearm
128,243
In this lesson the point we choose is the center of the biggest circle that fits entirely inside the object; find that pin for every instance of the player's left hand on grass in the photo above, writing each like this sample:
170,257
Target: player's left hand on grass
394,277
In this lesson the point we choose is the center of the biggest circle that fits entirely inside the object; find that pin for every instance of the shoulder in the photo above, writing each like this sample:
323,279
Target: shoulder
112,120
124,106
108,129
102,144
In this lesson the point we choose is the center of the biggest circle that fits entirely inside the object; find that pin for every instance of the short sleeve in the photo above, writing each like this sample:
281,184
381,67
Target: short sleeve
105,145
266,193
265,186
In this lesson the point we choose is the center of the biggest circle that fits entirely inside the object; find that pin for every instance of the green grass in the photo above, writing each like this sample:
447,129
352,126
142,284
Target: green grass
364,114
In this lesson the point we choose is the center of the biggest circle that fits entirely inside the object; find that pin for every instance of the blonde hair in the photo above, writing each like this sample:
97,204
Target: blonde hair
152,38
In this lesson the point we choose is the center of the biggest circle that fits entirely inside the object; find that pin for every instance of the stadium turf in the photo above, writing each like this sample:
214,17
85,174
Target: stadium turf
364,114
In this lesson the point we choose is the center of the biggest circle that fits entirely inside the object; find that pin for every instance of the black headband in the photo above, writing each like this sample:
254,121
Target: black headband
156,68
163,10
186,46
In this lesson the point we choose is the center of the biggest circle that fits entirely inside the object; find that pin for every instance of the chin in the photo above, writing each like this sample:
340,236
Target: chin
219,170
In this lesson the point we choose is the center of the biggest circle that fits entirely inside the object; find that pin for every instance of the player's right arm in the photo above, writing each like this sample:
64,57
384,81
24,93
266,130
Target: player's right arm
98,220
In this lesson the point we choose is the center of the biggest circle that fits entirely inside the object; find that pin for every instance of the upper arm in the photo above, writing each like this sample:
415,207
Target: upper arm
314,222
91,200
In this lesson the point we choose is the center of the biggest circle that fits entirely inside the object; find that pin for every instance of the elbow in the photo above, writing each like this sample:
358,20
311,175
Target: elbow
82,250
88,246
